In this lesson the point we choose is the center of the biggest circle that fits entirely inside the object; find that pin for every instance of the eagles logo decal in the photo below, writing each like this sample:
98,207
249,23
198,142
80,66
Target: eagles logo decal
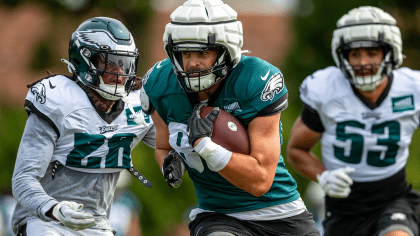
274,86
105,129
39,91
98,38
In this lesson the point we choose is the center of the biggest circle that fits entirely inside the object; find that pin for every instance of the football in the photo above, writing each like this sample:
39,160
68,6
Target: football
228,132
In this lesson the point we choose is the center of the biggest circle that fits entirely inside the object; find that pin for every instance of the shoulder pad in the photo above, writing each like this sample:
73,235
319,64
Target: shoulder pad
322,85
146,105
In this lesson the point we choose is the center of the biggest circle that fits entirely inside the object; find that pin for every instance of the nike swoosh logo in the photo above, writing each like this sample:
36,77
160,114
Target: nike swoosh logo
61,213
266,76
158,65
51,86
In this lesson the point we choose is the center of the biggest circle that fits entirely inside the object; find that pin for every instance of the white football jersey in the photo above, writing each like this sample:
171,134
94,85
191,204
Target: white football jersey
375,141
89,139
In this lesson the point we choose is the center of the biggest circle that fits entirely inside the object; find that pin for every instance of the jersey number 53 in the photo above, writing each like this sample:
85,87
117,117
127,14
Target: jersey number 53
382,143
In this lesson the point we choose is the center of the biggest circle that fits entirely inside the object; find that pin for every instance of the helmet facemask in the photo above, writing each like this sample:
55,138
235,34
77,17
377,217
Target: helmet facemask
365,77
199,80
120,65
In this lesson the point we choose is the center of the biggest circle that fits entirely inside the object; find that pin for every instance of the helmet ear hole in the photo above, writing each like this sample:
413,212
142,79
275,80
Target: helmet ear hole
76,61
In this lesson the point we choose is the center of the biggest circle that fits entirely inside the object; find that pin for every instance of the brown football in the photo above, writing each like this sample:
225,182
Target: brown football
228,132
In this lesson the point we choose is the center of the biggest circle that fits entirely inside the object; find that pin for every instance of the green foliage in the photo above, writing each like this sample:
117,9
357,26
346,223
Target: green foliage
10,3
42,56
12,120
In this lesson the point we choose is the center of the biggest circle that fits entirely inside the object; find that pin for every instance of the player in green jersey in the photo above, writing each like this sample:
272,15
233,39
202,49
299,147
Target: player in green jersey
237,194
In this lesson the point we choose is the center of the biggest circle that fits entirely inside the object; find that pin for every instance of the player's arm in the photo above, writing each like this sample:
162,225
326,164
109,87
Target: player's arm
255,172
299,154
34,155
162,139
170,162
336,183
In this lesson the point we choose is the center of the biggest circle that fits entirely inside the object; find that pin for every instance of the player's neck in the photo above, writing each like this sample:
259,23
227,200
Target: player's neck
107,104
206,94
373,96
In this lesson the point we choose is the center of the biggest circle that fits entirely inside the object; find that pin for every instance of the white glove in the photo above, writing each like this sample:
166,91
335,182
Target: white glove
69,214
336,183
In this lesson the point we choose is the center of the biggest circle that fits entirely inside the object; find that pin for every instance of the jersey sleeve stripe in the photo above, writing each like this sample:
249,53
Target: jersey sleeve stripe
310,118
276,107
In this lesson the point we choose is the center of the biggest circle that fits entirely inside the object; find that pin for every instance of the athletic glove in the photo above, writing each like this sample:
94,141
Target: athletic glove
336,183
198,128
69,214
173,169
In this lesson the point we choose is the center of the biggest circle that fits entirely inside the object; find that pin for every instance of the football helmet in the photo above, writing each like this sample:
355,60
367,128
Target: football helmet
200,25
100,46
367,27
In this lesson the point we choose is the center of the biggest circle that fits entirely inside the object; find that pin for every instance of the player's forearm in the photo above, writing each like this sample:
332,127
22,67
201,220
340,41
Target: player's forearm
305,163
249,174
34,155
160,155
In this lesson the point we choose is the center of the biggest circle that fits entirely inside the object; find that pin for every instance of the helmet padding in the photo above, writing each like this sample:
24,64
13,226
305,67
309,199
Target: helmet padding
367,27
200,25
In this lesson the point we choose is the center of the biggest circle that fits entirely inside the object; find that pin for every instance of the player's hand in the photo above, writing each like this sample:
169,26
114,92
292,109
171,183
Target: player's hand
198,128
69,214
173,169
336,183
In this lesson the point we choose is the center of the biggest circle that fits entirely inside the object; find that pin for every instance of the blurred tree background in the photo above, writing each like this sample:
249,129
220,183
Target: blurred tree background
312,26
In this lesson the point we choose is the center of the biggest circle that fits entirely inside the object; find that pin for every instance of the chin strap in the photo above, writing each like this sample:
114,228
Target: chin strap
139,119
70,66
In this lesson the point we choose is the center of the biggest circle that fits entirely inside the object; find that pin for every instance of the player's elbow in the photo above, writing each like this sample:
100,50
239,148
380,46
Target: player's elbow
262,187
260,192
291,156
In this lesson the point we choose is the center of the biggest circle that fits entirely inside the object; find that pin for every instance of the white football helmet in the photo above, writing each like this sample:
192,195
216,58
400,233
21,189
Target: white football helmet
367,27
200,25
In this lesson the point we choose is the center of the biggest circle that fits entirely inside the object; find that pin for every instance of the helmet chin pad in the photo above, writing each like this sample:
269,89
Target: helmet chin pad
366,83
108,91
200,83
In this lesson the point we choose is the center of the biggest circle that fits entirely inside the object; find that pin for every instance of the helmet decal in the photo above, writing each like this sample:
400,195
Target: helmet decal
96,38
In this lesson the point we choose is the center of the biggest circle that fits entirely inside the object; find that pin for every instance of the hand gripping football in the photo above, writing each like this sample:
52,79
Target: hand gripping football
228,132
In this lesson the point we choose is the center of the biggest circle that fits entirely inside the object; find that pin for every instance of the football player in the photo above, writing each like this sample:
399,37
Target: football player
363,112
79,135
237,194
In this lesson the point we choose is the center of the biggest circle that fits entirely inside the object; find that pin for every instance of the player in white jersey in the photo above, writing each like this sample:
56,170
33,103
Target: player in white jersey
364,114
79,135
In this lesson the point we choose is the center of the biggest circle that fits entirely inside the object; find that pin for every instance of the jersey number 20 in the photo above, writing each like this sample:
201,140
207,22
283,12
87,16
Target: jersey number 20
118,151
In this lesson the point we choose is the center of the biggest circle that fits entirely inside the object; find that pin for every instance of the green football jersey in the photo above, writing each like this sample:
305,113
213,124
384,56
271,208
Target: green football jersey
253,85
